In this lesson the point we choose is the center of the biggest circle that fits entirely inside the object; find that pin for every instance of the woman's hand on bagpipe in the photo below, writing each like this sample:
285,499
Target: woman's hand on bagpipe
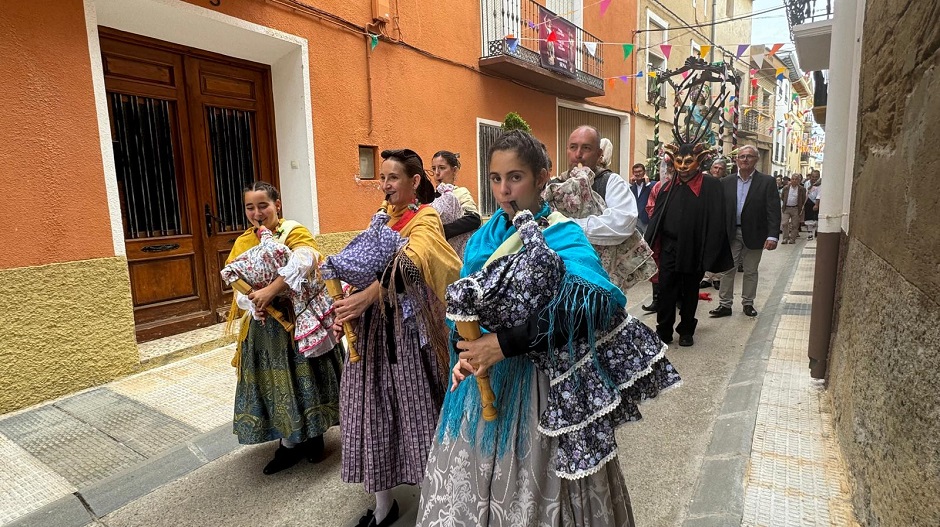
481,353
461,371
262,298
353,306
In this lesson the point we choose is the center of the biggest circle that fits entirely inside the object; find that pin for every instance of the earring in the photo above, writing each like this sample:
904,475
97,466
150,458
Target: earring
413,205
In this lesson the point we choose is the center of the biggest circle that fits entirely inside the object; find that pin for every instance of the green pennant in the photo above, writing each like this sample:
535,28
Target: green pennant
627,50
373,41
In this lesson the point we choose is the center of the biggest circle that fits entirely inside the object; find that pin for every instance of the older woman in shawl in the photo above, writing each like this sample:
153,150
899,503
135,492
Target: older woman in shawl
564,379
391,399
281,394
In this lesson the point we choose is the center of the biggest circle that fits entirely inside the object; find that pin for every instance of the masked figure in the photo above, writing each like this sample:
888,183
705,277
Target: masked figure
687,231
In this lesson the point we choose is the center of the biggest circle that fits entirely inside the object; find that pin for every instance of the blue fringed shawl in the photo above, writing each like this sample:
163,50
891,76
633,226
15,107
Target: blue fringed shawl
586,292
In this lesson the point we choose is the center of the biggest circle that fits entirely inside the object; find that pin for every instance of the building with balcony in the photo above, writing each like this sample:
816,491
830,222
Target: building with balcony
160,111
666,23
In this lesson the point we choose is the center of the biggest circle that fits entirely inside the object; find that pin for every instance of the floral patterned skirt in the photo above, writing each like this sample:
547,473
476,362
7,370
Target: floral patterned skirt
465,486
281,394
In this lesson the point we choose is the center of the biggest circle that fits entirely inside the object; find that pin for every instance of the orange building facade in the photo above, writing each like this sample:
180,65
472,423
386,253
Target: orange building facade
129,127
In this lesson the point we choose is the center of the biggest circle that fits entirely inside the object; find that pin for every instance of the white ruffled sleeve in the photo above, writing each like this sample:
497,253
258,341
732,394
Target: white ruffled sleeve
298,267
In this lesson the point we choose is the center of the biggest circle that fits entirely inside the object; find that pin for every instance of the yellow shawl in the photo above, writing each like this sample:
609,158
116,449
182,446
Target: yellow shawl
428,248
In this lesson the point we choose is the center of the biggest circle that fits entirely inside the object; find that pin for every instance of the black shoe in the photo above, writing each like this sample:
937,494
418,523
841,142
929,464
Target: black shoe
667,339
367,519
686,340
313,449
720,311
390,518
652,308
716,284
283,458
704,283
749,311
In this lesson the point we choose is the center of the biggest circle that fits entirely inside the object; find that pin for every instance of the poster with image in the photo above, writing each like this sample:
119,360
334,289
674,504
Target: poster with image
557,43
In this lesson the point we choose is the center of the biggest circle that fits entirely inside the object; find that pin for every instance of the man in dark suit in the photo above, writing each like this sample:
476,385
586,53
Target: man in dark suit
753,224
640,187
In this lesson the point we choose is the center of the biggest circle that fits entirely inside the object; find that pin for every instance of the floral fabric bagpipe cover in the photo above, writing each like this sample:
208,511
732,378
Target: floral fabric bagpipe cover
627,263
367,255
448,207
313,307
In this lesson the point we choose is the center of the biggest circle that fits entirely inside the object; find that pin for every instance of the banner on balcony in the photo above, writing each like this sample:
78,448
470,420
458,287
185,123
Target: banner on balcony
557,49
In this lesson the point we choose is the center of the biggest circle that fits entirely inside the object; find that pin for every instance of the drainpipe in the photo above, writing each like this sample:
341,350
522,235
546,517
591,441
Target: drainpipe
711,54
841,121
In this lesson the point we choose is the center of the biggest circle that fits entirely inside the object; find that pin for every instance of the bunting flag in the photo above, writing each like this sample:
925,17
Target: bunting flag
604,5
513,43
610,82
780,75
759,59
704,51
652,74
732,98
666,49
373,41
552,37
685,74
624,78
531,24
773,49
639,74
627,50
753,72
741,49
754,82
591,48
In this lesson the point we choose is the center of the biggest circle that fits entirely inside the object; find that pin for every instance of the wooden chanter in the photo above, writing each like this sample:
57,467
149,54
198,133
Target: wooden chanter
471,331
245,288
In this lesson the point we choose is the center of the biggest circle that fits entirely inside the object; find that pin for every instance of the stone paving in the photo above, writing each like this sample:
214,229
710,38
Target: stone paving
772,459
796,475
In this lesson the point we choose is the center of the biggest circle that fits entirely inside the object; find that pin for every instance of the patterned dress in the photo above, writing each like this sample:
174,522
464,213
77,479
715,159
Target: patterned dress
549,458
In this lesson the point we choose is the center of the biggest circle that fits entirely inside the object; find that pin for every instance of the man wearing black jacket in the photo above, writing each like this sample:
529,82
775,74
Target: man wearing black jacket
687,230
753,224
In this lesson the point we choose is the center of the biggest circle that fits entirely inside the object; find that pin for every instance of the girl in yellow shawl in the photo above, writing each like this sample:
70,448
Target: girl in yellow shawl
280,393
392,398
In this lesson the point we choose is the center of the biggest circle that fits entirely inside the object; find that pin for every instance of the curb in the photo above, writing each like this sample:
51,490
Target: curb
718,495
103,497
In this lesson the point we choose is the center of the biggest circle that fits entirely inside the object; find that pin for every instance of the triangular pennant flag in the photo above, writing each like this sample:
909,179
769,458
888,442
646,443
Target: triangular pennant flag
666,49
652,74
513,44
781,77
704,51
732,98
639,74
604,5
530,23
685,74
627,50
741,49
373,41
780,70
773,49
552,37
610,82
591,48
759,59
624,78
754,81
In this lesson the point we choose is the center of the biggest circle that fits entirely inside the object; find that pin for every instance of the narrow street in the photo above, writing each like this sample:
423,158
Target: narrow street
712,452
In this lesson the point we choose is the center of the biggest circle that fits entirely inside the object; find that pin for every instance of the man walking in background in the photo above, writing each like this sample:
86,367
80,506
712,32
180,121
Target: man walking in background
753,223
640,187
793,199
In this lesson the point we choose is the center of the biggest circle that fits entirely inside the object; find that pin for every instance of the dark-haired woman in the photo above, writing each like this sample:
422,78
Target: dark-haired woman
549,458
281,395
391,399
445,165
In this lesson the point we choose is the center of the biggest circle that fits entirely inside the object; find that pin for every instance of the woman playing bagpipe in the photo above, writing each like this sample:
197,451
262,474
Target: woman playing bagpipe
564,377
391,397
445,166
281,394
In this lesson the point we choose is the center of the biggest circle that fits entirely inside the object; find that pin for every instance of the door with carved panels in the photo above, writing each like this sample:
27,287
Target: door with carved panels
190,130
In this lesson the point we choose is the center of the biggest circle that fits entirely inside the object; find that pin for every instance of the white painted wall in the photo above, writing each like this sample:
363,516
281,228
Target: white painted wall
202,28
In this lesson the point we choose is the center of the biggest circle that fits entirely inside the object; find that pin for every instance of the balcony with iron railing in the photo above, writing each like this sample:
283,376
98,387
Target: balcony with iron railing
545,51
811,28
756,124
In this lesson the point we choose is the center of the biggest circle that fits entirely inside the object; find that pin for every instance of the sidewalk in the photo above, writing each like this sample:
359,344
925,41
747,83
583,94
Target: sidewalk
748,438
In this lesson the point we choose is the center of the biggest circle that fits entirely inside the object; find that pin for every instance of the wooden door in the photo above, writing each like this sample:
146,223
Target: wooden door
233,141
190,130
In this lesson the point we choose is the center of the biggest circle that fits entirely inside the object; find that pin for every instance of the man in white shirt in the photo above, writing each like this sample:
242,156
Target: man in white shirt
619,219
